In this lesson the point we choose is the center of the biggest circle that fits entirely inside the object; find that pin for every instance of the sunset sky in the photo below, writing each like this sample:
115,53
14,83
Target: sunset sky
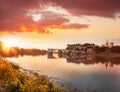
55,23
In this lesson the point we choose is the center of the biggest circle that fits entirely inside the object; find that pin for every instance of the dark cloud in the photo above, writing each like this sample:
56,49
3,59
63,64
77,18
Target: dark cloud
13,14
54,20
14,18
103,8
51,19
11,9
74,26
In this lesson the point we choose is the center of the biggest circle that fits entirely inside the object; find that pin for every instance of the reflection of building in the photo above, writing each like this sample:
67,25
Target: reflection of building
88,59
66,53
95,60
85,60
77,53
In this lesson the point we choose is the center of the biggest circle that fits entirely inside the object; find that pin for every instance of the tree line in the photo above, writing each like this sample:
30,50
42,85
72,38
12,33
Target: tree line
16,51
114,49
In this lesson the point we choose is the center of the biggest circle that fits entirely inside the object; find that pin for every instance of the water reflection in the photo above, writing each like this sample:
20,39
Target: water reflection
88,59
16,52
109,62
86,72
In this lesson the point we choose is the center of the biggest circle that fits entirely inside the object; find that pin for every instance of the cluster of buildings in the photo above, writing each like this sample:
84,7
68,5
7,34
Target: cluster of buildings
108,44
77,50
88,48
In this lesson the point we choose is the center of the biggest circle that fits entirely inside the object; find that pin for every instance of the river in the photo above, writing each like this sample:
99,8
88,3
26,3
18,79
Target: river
102,76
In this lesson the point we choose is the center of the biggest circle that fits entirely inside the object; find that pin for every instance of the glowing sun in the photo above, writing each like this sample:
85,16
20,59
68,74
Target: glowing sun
12,42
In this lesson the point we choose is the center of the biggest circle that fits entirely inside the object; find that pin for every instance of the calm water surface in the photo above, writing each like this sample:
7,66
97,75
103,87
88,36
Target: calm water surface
101,76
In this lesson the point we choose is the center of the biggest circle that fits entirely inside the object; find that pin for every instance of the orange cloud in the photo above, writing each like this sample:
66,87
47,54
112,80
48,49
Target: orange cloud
14,14
23,28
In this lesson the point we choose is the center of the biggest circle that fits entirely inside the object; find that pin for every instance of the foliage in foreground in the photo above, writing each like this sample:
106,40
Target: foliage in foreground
13,79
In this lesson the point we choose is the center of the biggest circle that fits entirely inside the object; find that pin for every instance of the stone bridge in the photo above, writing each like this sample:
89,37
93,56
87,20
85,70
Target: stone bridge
64,53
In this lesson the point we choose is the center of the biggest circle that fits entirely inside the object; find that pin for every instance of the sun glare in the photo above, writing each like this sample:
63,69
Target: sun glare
11,42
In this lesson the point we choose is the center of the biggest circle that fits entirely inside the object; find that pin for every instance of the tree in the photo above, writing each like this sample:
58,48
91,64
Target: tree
115,49
1,47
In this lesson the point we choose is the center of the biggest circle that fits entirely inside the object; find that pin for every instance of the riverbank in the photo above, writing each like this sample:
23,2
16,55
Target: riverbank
13,79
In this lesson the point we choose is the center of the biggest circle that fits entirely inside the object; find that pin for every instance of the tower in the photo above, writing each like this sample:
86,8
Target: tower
107,43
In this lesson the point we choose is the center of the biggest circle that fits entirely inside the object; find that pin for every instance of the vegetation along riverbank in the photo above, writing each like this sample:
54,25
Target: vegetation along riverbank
13,79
